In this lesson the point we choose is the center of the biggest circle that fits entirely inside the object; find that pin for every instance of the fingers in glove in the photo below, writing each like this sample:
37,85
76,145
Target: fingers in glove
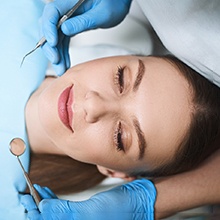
64,62
28,202
49,22
45,192
51,53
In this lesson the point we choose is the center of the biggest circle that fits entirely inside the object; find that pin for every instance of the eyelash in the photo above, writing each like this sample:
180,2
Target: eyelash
119,78
117,138
119,81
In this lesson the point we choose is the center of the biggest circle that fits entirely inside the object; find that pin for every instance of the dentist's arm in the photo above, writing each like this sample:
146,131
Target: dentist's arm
188,190
91,14
131,201
174,194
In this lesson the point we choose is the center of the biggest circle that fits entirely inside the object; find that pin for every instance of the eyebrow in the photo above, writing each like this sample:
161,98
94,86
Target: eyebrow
141,139
139,76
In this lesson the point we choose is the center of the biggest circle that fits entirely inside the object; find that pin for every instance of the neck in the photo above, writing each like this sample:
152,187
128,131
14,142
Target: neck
38,139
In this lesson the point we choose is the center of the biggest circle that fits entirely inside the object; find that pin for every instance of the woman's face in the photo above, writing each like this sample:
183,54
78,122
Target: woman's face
125,113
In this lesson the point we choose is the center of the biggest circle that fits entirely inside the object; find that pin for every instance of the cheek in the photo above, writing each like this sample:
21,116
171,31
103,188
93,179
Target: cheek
93,75
47,111
90,144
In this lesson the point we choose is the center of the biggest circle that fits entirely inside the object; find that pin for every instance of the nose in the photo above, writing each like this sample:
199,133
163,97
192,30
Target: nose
96,107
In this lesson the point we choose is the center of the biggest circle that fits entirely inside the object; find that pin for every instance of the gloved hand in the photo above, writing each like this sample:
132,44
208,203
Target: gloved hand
131,201
90,15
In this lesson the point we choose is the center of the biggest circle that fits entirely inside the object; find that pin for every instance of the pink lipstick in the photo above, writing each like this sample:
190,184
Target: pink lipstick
65,107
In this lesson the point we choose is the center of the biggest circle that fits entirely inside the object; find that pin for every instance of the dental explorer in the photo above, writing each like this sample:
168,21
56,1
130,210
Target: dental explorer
17,148
62,19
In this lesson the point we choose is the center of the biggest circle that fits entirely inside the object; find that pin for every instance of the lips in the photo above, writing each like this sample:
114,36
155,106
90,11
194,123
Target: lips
64,107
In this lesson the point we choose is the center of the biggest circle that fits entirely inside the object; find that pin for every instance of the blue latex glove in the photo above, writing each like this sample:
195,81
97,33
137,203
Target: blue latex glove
92,14
131,201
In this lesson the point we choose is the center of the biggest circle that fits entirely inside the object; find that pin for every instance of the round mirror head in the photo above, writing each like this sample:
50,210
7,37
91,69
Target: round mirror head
17,146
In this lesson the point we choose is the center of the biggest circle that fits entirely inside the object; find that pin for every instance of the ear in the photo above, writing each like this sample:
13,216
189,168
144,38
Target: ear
115,174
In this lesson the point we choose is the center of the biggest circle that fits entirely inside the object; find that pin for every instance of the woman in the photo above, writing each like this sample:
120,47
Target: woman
115,124
152,116
117,136
142,116
189,43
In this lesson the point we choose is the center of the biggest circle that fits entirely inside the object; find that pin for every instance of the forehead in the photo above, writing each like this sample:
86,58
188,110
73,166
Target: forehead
165,110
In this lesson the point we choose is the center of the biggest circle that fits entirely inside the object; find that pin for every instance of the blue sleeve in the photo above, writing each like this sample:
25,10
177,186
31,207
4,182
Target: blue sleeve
19,34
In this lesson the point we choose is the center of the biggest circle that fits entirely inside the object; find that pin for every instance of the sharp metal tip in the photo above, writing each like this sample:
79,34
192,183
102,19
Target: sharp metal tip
22,61
27,55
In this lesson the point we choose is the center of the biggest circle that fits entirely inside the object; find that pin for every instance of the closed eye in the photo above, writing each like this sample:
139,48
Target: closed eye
118,138
119,79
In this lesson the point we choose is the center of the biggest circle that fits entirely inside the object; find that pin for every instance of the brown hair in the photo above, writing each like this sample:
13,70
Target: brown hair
203,134
63,174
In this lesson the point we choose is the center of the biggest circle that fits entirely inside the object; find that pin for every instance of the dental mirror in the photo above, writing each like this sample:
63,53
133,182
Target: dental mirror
17,148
